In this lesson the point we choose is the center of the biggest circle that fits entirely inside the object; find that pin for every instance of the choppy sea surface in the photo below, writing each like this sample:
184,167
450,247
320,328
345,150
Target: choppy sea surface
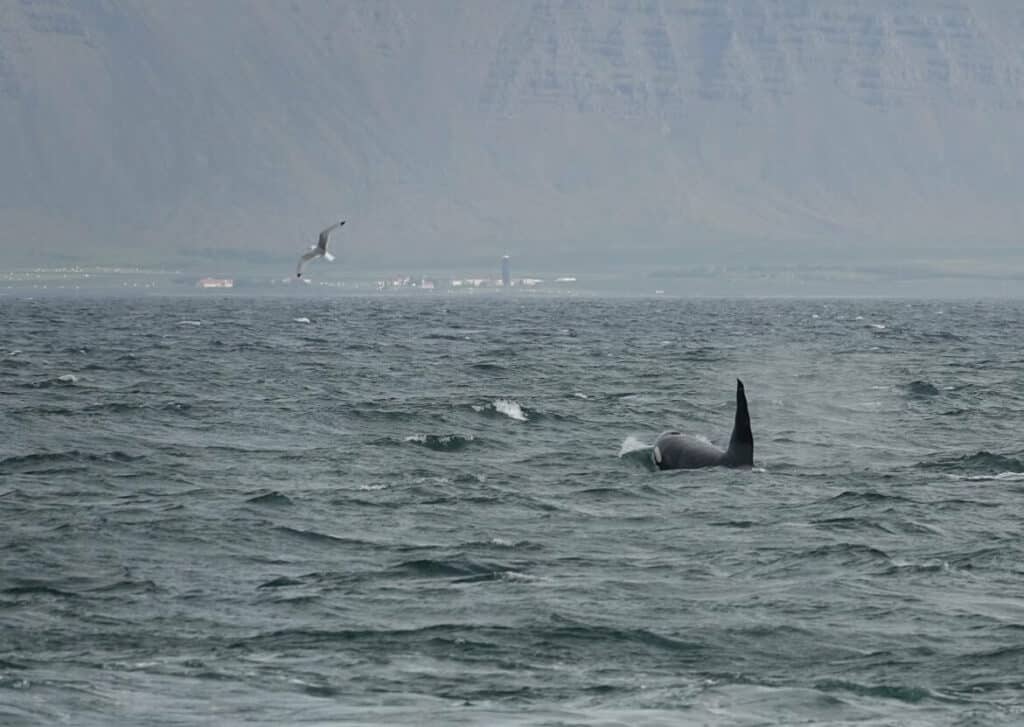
442,510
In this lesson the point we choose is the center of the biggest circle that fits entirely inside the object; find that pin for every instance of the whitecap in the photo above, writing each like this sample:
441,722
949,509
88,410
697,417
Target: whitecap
1001,477
68,379
303,319
631,444
510,408
580,395
190,323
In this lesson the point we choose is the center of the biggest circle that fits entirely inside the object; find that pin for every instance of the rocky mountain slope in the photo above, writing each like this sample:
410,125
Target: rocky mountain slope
608,129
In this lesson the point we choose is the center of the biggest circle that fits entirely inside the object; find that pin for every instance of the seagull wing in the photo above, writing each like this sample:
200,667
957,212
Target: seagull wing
322,242
314,252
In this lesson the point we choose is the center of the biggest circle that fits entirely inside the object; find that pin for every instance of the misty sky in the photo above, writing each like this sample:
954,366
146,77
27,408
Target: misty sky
591,134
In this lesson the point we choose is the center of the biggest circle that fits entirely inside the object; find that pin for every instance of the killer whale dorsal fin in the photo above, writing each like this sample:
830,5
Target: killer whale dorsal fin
741,443
678,451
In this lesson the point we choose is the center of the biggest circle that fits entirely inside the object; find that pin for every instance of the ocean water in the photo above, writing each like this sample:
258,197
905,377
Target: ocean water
442,510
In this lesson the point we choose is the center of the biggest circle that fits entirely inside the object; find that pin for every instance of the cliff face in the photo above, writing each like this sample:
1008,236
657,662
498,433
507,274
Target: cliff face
447,129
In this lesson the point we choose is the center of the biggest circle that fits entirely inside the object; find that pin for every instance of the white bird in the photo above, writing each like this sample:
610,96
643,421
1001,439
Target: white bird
318,250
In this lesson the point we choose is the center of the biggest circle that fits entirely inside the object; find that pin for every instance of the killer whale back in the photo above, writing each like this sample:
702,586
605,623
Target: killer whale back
673,450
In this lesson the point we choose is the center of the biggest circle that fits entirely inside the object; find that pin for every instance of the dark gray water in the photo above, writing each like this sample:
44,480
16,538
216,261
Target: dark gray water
438,510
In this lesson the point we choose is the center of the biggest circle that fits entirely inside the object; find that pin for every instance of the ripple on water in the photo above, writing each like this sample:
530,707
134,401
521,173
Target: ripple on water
408,503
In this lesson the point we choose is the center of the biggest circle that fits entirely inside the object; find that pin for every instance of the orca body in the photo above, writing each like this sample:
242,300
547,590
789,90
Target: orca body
675,451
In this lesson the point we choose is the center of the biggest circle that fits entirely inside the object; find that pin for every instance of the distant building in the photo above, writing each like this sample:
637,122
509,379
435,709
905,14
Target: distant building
506,272
215,283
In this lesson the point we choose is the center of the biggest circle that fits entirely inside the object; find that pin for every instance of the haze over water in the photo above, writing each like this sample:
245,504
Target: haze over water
423,510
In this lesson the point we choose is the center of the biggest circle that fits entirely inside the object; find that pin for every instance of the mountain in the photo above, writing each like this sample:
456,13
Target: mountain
571,130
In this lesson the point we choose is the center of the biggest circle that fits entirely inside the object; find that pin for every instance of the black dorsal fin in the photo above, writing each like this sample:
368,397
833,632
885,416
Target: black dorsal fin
741,443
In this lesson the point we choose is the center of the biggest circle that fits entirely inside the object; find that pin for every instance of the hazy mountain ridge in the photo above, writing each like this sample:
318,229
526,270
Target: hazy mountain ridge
554,127
653,57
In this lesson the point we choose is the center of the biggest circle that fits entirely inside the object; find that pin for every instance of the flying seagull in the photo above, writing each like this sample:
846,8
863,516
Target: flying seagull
318,250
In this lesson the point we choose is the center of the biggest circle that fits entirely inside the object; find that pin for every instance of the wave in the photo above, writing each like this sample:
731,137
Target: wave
631,444
488,367
593,634
62,380
848,553
274,498
281,582
1000,477
899,692
114,407
446,336
316,638
459,568
443,442
46,411
176,406
919,389
373,410
637,452
468,636
850,523
940,336
506,407
980,463
510,408
318,537
28,463
497,542
37,588
906,566
127,586
870,496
